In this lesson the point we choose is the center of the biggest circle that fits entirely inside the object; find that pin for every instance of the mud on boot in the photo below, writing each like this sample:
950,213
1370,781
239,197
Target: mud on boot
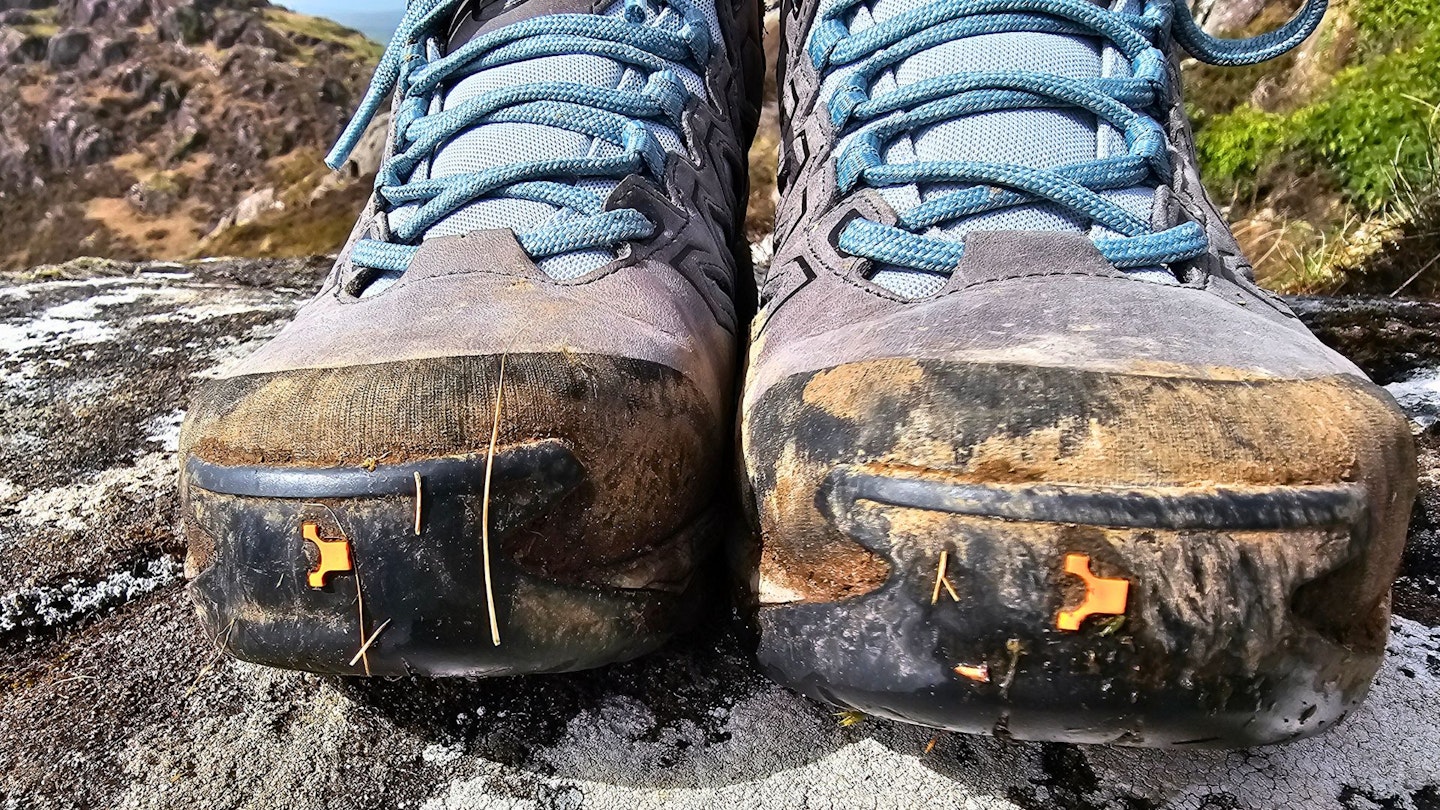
494,441
1027,451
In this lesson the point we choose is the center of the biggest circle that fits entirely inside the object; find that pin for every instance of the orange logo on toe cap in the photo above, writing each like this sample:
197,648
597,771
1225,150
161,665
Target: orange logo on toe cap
334,555
1102,596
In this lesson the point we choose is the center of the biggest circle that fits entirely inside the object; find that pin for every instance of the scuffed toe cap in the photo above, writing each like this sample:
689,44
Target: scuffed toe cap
650,445
1006,424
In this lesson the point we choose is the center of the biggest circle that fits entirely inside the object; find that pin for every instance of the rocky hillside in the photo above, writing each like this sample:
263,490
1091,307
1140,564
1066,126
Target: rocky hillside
164,128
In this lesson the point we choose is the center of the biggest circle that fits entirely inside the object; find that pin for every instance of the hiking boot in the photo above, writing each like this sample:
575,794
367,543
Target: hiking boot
1028,451
492,443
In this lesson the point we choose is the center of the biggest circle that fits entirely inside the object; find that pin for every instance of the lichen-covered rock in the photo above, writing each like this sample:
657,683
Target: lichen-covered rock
110,695
91,12
184,24
6,5
114,51
17,47
73,137
67,48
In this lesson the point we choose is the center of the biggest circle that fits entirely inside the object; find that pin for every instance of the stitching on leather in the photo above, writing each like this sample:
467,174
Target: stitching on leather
1046,274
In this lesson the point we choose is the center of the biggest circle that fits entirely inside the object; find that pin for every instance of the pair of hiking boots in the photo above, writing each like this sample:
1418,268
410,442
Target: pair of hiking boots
1023,448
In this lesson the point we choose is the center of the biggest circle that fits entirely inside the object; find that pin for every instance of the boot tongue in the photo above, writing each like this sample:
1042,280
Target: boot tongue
491,146
495,145
1043,138
479,17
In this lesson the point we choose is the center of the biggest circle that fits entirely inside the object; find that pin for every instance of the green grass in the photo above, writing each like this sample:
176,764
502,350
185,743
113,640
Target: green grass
1365,130
1329,159
323,30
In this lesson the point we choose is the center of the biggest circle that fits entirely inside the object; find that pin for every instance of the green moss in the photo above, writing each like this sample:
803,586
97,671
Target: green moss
1368,129
1385,25
319,29
172,182
1234,148
1375,123
40,22
42,30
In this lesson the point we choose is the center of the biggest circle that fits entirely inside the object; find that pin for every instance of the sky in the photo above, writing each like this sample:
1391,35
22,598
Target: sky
376,18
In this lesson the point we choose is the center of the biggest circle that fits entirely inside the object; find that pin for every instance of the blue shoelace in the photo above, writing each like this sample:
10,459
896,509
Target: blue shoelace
872,121
413,65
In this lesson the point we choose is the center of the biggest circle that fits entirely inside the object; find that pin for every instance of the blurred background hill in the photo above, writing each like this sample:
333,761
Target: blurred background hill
166,129
375,19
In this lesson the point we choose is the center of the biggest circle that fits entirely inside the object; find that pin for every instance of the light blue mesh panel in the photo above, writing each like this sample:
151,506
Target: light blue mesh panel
1035,138
500,144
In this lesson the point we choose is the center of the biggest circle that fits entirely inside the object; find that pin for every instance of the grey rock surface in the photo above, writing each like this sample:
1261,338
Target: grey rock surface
111,697
67,47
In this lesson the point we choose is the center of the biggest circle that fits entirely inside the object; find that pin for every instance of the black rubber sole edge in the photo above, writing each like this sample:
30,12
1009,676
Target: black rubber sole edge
1210,509
1208,650
417,602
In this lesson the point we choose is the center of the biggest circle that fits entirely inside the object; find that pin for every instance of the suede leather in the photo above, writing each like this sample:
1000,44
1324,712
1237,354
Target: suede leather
479,294
1038,299
484,16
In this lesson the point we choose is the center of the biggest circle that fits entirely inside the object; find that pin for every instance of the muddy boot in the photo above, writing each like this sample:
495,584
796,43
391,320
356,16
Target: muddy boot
493,443
1028,452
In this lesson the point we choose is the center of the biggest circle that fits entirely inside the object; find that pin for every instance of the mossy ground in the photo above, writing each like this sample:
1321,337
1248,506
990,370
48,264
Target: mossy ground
1327,157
